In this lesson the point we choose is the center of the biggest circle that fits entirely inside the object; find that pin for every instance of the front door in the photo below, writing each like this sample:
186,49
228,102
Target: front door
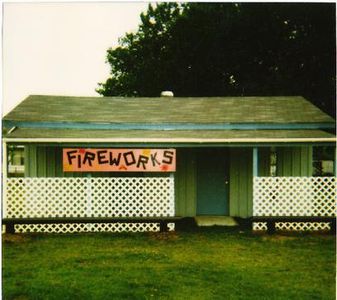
212,182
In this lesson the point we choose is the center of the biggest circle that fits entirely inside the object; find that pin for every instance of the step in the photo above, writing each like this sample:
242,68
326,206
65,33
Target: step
215,221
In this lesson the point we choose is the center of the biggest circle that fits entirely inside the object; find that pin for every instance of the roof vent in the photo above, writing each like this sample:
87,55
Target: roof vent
166,94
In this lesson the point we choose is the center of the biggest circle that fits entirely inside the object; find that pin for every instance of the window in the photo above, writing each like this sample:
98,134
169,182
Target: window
323,161
16,160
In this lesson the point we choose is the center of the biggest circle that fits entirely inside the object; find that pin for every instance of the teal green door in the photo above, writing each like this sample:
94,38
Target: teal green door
212,182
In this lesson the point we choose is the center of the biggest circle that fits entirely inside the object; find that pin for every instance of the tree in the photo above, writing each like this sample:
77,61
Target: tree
228,49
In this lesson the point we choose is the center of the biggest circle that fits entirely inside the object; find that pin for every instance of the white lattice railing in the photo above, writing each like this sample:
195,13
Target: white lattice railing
294,196
89,197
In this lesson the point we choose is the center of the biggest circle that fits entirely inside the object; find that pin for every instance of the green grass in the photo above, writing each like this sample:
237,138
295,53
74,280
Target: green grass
204,264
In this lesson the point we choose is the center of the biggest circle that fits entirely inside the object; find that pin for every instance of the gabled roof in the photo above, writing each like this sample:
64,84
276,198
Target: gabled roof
217,118
164,110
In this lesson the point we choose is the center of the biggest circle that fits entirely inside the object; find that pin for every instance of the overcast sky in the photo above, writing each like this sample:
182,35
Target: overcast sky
60,48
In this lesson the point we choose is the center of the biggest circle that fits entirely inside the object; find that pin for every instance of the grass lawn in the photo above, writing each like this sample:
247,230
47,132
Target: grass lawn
204,264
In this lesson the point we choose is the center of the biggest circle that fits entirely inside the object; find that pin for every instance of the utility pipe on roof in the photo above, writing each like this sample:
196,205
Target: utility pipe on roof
166,94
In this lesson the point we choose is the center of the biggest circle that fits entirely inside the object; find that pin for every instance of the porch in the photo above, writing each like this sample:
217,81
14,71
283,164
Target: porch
253,189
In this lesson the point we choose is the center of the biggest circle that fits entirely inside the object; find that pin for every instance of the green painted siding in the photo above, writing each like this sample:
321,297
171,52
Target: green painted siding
185,183
264,161
30,161
240,182
294,161
42,161
241,179
50,161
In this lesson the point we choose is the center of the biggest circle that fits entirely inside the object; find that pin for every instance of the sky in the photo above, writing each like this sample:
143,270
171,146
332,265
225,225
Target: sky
60,48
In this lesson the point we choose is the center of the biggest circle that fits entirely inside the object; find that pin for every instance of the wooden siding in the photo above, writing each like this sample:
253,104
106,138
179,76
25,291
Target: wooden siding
294,161
240,183
42,161
30,161
264,161
241,179
185,183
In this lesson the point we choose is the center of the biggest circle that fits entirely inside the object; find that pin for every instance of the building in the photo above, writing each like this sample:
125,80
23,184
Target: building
230,156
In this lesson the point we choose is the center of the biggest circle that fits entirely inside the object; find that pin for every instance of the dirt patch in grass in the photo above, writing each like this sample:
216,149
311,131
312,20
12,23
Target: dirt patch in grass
285,236
21,298
14,238
278,238
164,236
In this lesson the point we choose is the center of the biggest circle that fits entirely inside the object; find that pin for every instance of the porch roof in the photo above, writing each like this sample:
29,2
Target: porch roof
168,137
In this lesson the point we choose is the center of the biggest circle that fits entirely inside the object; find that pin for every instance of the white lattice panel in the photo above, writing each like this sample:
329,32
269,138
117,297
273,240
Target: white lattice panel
95,227
296,226
89,197
294,196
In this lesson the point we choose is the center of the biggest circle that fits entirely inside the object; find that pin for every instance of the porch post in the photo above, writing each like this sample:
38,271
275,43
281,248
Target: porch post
335,163
4,179
255,173
255,162
89,201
